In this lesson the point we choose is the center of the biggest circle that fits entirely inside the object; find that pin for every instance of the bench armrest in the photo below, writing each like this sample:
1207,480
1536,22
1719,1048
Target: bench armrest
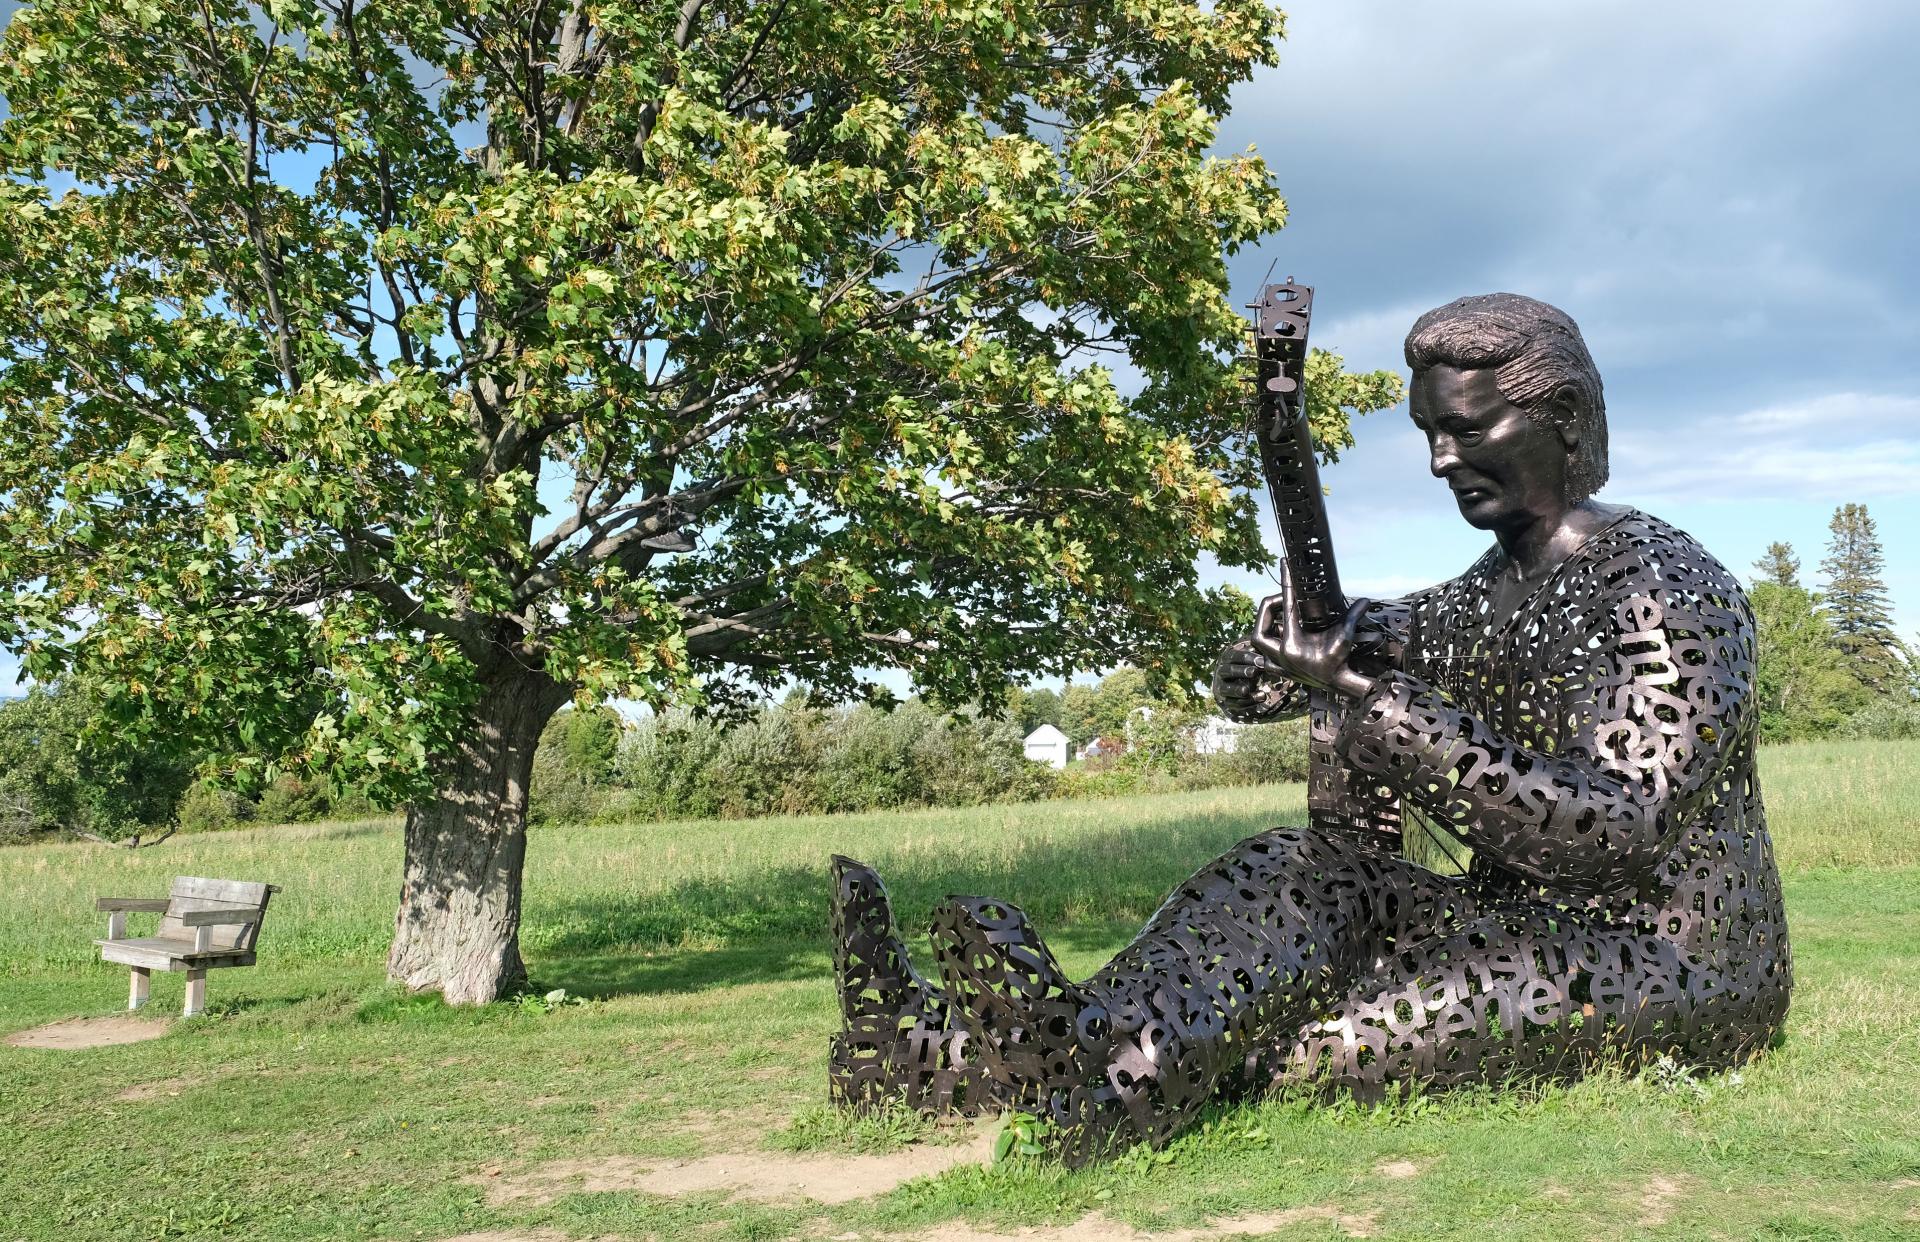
218,918
148,905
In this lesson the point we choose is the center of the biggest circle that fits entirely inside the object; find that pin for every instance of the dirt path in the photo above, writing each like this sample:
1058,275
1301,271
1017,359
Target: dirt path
1098,1228
91,1033
761,1175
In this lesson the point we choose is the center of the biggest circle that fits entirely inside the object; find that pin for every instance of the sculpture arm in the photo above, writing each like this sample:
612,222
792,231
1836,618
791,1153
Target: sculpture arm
1663,706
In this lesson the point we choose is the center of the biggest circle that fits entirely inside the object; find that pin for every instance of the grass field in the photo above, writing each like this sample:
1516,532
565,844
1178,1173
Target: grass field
316,1102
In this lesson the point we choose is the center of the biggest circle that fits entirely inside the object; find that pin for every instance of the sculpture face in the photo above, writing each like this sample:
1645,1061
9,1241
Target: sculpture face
1506,470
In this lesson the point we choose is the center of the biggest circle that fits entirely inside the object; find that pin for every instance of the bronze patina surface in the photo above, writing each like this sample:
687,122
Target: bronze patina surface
1576,709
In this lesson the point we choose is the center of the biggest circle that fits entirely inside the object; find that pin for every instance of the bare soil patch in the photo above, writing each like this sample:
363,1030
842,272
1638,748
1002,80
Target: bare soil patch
762,1175
91,1033
1098,1228
164,1087
1656,1200
1398,1169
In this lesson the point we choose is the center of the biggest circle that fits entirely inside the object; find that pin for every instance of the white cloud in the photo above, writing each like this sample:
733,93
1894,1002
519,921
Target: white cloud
1835,410
1840,444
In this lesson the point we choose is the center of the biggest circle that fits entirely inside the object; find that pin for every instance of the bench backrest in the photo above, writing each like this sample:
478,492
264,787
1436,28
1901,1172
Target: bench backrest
193,893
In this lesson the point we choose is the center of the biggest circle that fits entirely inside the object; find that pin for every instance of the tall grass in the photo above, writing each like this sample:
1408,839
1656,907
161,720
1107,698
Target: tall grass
719,883
702,883
1844,804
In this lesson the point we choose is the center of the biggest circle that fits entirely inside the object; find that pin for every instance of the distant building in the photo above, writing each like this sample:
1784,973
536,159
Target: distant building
1216,735
1049,746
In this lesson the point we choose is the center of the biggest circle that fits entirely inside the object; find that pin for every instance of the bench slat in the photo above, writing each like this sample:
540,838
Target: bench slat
164,953
235,892
217,918
149,905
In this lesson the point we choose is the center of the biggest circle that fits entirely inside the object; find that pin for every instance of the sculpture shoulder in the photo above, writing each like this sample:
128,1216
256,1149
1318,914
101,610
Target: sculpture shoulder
1640,554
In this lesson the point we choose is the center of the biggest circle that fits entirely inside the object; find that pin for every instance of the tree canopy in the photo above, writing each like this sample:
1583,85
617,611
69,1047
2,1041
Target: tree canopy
376,378
1803,685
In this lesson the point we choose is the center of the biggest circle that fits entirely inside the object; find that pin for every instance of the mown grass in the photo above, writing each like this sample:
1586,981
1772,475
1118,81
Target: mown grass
316,1102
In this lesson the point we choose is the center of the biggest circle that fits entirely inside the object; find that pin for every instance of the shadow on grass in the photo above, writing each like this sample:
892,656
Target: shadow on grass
771,925
600,976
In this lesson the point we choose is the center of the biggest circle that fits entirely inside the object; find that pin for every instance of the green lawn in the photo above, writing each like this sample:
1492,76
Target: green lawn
315,1102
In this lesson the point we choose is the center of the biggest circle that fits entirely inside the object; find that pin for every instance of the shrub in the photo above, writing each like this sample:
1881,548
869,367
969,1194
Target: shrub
560,795
350,801
798,759
290,800
866,759
1089,780
663,762
1266,753
1886,718
586,740
205,808
966,759
764,766
1161,741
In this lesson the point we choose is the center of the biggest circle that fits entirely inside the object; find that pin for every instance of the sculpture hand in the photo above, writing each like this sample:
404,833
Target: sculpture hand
1317,657
1237,678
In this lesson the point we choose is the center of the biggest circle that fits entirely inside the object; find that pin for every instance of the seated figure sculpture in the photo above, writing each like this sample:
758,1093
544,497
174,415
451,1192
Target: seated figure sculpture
1577,708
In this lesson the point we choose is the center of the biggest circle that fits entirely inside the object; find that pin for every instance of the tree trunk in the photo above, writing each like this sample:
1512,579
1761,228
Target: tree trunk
458,930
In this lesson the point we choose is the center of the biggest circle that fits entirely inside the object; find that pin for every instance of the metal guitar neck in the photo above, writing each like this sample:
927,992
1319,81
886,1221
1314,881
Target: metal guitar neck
1287,455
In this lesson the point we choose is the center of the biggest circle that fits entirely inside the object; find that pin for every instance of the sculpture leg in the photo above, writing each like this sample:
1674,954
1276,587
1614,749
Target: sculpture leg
1529,993
1247,947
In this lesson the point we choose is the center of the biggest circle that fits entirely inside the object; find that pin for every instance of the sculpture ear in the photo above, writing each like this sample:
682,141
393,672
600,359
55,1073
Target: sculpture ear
1566,416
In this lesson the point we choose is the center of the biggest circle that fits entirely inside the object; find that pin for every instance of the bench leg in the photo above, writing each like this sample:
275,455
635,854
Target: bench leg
140,988
196,993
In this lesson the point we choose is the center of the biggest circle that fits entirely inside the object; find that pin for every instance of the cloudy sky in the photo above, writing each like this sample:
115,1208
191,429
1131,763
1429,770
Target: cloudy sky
1722,195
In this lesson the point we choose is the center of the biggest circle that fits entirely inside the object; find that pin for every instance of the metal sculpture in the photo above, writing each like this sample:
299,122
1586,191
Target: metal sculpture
1575,709
1287,457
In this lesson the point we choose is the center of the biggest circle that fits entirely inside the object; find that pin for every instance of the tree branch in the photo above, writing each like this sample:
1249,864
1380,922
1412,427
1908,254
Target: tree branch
650,111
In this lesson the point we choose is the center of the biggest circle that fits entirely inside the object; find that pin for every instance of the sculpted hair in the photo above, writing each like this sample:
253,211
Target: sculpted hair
1536,354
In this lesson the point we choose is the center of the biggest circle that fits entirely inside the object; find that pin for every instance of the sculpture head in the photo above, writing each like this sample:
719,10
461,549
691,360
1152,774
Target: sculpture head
1511,404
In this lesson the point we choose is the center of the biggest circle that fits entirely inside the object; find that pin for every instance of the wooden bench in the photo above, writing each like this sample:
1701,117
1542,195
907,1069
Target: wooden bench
204,925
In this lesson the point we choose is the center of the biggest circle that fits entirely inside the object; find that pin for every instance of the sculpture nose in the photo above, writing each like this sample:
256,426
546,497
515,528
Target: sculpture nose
1441,459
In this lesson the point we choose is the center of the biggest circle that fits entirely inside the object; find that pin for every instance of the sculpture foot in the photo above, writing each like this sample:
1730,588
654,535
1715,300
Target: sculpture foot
870,966
1036,1032
896,1043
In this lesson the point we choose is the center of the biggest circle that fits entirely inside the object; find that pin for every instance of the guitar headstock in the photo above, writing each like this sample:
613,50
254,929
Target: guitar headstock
1281,315
1283,311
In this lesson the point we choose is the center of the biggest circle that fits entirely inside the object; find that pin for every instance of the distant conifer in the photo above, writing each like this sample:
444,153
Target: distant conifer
1856,601
1779,566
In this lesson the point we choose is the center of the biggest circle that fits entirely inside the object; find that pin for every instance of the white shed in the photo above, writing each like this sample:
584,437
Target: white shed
1048,745
1216,735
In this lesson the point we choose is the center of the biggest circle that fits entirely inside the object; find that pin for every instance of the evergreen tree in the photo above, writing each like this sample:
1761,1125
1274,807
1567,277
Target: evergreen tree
1779,566
1803,684
1856,601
